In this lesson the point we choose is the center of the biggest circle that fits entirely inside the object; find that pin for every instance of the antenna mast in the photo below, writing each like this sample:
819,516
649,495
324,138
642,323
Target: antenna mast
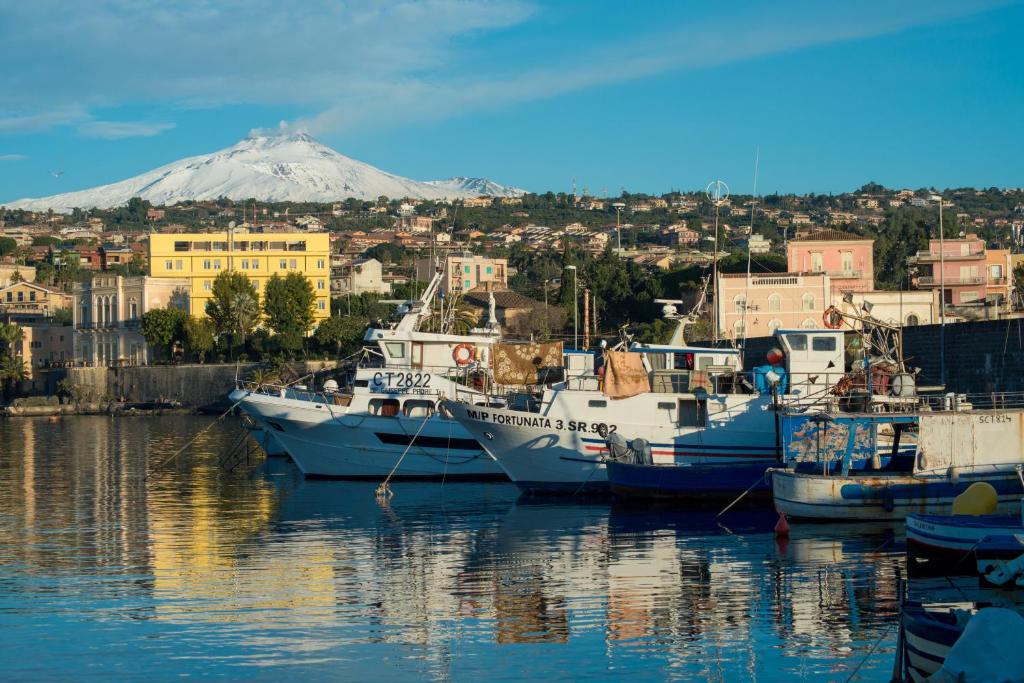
717,193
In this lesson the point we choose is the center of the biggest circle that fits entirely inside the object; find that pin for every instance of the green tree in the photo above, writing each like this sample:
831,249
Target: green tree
12,367
199,336
8,245
341,334
161,327
288,304
234,307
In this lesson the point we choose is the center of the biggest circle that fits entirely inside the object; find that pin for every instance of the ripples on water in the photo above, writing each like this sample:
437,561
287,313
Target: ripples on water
110,569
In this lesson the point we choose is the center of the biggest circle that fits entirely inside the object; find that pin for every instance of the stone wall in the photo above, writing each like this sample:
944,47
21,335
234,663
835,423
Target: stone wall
191,385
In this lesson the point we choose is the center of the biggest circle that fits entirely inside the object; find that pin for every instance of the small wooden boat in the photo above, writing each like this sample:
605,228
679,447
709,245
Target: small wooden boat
954,450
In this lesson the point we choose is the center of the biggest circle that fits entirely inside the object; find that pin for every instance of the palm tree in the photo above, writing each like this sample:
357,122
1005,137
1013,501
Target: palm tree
10,334
460,321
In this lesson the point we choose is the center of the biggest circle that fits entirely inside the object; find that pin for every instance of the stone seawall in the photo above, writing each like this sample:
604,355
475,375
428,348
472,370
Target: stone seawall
191,385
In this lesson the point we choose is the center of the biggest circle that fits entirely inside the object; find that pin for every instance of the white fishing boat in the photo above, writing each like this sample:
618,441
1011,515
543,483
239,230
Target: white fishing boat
698,409
955,448
389,421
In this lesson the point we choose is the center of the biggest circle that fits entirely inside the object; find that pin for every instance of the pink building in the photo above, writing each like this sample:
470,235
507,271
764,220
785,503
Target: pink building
959,267
756,305
847,259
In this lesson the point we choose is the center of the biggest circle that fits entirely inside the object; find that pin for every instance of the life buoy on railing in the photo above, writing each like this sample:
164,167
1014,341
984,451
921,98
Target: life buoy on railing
463,354
833,318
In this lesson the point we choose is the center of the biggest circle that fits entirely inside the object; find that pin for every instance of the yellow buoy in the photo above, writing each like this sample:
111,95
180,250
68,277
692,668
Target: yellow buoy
980,498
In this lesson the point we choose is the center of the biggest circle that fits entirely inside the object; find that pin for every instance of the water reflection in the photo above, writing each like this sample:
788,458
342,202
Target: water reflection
107,561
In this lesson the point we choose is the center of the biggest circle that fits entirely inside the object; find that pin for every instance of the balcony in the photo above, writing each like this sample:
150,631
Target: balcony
846,274
950,281
932,256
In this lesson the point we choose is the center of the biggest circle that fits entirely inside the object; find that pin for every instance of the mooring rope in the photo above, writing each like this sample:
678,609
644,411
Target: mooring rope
740,497
202,431
384,492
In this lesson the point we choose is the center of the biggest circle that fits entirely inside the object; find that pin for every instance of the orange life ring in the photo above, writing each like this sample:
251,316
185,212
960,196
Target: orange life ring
463,354
833,318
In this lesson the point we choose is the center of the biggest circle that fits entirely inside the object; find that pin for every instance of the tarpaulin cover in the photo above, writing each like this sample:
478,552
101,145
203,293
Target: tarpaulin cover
625,375
517,364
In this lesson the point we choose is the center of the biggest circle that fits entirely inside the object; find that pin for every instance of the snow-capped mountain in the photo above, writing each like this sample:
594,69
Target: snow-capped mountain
275,168
476,187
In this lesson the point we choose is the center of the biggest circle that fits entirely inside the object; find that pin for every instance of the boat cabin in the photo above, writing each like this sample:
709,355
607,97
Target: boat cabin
815,359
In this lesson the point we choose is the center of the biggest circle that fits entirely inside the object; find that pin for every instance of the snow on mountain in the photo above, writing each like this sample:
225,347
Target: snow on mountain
476,187
275,168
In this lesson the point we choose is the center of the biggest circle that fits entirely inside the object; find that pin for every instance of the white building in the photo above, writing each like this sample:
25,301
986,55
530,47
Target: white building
358,277
108,316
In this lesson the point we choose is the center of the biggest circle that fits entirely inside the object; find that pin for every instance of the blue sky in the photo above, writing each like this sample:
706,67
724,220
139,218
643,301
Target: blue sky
649,96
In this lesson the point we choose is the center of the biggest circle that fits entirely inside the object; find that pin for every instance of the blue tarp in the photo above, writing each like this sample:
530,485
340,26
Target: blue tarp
761,382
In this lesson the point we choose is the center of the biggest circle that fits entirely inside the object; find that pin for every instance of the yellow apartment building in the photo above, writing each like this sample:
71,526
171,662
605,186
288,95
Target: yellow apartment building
200,257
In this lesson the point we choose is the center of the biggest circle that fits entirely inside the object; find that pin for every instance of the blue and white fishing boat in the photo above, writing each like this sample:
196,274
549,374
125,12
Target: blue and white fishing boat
954,449
955,630
949,544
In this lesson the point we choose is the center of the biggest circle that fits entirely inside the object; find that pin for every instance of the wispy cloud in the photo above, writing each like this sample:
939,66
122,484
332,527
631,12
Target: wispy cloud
31,122
13,157
118,130
376,63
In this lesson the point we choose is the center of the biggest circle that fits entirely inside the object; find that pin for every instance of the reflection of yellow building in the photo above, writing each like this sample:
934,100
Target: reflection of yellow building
200,257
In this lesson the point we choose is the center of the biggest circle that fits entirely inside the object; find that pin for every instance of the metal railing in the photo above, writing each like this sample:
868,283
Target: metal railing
928,255
951,280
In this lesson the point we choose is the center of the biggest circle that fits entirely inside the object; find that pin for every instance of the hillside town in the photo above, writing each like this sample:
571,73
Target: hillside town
78,286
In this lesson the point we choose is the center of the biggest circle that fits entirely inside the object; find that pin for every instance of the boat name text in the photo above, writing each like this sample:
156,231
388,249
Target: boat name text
541,422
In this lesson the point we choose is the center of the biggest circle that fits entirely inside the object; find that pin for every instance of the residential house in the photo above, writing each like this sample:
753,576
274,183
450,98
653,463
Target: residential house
31,299
359,277
848,259
466,272
964,271
758,304
513,311
115,255
414,223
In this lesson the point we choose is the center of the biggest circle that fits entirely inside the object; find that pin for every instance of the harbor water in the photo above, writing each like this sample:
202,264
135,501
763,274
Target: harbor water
113,568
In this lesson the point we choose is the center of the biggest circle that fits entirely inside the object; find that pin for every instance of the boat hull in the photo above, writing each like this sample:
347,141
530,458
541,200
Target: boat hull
928,638
328,442
876,496
552,453
695,482
946,544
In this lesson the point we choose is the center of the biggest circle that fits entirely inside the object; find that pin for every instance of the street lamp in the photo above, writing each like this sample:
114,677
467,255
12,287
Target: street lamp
618,206
942,293
575,308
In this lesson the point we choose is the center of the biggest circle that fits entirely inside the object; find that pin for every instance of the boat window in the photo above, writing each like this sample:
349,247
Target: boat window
823,343
384,407
693,412
597,404
395,349
684,361
665,405
362,382
797,342
418,408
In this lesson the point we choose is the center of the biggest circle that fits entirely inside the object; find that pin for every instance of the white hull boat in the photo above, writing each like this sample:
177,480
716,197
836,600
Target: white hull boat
326,440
